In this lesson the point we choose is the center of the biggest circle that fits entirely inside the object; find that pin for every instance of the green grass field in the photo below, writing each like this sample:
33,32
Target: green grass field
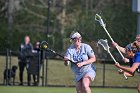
18,89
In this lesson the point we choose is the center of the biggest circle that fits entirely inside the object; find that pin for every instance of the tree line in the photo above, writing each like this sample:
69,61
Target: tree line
19,18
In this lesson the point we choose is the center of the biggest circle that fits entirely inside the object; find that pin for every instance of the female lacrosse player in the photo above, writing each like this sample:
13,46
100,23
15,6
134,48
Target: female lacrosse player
135,65
129,51
83,55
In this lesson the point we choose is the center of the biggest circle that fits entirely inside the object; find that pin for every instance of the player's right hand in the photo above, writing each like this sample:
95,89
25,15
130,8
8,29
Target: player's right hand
66,63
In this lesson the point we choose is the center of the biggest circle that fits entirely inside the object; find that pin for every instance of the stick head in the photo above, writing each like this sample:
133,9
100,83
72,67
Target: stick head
99,19
104,44
43,45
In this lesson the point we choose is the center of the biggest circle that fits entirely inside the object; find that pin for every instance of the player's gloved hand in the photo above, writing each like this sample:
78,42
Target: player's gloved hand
120,71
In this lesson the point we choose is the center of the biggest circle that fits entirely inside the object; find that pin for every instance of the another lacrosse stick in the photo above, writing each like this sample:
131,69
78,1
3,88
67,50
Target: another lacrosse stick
100,20
106,47
44,46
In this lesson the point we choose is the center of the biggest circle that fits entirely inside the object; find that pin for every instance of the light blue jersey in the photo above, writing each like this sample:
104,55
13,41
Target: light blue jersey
85,53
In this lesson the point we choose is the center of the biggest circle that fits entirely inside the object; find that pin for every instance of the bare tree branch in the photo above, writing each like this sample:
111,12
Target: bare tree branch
100,5
3,8
43,3
34,13
37,6
37,27
103,3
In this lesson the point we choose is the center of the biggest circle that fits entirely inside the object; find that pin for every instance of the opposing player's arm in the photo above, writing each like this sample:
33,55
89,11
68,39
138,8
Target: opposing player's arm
128,74
130,70
123,50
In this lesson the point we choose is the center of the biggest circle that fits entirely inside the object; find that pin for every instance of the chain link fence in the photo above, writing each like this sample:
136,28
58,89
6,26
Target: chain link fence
54,73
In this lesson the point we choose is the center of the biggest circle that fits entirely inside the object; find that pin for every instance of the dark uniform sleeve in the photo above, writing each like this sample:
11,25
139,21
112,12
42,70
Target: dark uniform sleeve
137,58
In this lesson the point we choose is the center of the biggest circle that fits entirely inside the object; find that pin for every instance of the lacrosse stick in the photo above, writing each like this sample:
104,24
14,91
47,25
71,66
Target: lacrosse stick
106,47
100,20
44,46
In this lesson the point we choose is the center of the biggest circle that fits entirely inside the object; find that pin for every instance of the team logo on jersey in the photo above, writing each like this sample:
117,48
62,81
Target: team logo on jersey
77,57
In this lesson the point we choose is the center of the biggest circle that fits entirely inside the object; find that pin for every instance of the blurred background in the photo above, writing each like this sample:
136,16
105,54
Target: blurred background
53,21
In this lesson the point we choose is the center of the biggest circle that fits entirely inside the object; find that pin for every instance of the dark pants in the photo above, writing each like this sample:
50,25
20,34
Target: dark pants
35,78
23,65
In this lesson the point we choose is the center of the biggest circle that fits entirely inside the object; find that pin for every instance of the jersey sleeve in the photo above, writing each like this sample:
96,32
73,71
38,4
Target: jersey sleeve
137,58
67,54
89,50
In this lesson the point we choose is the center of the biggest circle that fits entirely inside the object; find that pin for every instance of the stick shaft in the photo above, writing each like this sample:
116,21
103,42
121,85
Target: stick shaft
112,57
116,62
60,55
113,41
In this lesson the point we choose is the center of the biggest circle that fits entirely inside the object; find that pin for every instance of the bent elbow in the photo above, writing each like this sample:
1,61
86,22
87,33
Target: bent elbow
93,59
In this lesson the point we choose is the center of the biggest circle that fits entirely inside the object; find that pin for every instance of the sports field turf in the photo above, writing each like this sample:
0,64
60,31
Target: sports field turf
58,74
23,89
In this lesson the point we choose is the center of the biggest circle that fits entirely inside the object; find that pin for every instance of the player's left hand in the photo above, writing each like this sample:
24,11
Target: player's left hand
120,71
